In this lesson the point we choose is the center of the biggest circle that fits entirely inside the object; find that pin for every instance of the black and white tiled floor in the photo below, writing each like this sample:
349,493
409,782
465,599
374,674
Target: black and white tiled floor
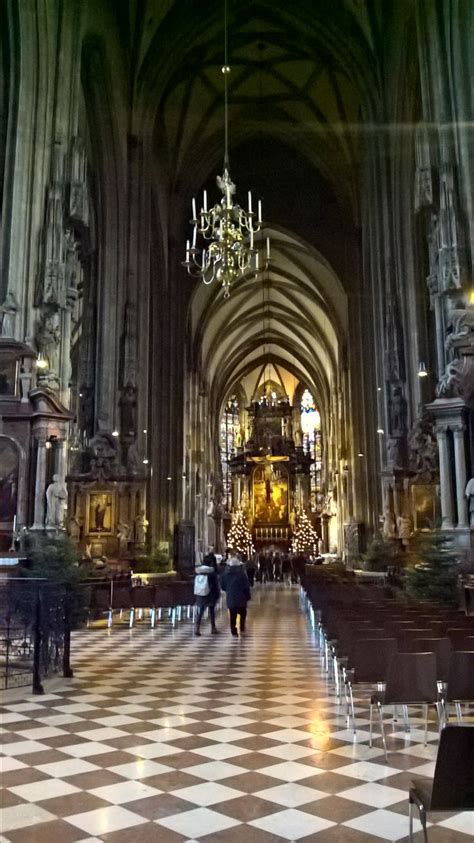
162,736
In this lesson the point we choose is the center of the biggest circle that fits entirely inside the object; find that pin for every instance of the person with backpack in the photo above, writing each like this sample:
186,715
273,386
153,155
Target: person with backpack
207,592
237,587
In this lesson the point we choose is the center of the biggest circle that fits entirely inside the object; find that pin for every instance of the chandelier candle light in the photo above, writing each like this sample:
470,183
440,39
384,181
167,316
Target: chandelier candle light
228,228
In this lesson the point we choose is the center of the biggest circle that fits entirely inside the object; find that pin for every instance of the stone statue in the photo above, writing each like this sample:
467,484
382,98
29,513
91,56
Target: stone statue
132,461
423,449
8,312
141,527
470,495
74,528
56,503
388,529
48,338
404,528
398,415
128,406
123,534
396,452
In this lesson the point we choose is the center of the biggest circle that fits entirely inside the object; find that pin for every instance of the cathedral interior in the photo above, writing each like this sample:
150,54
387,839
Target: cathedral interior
334,375
236,315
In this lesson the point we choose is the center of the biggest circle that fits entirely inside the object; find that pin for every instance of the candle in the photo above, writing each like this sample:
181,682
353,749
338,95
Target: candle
14,523
268,248
194,237
251,238
260,210
194,209
250,201
205,201
187,250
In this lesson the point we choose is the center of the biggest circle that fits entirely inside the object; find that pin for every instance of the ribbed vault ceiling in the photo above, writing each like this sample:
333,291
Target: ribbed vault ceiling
293,315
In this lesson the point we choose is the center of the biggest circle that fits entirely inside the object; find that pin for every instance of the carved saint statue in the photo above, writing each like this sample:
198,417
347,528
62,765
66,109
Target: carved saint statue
56,503
388,529
398,411
8,312
123,534
404,528
48,338
128,406
74,527
141,527
470,495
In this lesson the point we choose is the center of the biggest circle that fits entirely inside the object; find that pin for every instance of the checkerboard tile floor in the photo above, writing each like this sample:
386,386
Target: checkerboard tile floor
162,736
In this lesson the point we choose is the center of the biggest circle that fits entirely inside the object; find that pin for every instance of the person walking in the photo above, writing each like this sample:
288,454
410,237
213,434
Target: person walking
286,569
251,568
236,585
207,592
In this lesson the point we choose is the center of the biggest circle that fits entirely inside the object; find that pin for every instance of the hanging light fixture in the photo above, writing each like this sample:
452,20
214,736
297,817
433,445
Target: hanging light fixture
227,228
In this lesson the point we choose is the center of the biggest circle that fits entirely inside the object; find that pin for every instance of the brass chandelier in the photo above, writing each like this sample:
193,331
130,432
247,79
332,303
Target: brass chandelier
227,228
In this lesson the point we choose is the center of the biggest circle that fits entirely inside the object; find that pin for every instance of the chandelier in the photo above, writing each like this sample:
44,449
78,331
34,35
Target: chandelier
226,228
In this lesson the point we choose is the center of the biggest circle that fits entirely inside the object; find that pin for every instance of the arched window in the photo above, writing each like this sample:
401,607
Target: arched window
229,440
311,427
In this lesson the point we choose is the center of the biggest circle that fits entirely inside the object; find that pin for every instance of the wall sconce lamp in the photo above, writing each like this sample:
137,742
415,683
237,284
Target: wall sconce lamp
422,373
380,431
41,362
115,432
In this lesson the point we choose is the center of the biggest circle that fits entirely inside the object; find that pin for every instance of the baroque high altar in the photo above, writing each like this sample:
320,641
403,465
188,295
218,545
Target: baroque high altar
271,473
116,367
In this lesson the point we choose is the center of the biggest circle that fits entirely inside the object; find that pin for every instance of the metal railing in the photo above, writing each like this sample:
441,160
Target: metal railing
35,631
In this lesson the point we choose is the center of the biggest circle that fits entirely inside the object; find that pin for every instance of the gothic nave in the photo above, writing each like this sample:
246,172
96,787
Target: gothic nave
236,312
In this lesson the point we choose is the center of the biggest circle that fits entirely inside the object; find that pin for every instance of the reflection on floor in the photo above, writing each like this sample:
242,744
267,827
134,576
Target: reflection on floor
165,737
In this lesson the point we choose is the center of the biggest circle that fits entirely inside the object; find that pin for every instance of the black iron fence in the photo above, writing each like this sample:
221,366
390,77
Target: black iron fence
35,631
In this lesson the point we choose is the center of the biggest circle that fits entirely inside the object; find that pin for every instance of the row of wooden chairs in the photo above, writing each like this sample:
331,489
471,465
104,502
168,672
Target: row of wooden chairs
409,653
172,600
362,635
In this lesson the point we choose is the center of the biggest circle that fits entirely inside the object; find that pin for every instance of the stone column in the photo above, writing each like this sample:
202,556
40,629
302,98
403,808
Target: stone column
461,478
325,531
40,483
60,458
445,479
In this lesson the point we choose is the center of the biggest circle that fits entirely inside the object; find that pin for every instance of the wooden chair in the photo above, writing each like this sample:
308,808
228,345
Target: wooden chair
460,684
411,680
452,788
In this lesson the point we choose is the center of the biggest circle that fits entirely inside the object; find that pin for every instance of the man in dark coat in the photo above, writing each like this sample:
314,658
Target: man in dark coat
236,585
209,600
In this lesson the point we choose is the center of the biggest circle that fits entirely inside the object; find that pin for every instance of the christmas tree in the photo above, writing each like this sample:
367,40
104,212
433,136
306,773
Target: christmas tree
239,537
434,569
305,538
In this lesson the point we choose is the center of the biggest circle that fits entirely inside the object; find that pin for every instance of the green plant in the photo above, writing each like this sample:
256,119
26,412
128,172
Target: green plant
382,554
156,562
55,559
433,569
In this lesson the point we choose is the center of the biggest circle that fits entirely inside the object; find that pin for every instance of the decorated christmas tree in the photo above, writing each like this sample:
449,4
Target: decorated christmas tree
239,537
305,538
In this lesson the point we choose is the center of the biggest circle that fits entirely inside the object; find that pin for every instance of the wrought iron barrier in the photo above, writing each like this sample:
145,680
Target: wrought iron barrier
35,631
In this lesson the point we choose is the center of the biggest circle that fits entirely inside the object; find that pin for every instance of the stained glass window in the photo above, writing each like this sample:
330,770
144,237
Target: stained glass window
230,431
311,427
